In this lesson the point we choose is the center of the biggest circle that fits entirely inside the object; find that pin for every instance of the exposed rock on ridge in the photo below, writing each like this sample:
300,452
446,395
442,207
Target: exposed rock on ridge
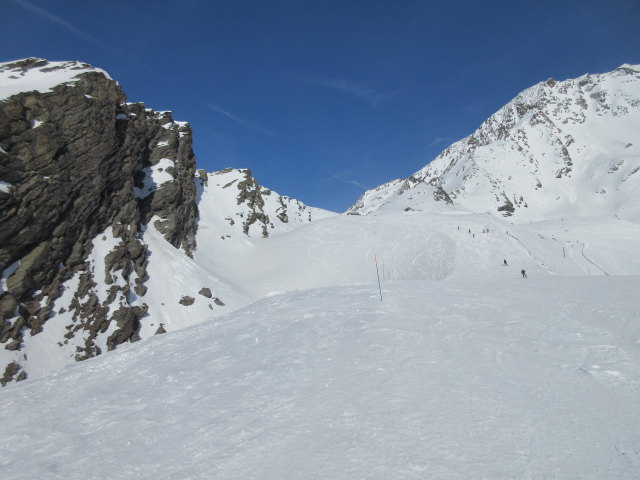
81,170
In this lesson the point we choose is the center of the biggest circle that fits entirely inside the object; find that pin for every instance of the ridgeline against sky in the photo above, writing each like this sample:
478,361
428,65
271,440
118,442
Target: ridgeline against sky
322,100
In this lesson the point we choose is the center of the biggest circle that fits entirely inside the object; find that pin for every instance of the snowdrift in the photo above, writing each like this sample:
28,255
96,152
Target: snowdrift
536,378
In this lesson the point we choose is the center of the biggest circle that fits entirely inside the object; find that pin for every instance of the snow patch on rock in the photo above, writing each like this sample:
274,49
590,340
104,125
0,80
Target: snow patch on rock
33,74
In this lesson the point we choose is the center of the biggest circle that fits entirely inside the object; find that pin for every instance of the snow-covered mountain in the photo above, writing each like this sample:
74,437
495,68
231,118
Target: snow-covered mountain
112,236
558,149
307,344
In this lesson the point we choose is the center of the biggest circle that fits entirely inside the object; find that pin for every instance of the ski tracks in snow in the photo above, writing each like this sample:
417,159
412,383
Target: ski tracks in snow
533,257
591,261
575,251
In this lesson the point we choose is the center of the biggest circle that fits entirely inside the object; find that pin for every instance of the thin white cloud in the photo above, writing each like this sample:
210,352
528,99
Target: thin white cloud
355,89
357,184
438,141
343,178
64,24
241,121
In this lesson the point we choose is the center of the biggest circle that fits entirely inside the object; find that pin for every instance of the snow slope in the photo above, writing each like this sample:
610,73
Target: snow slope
172,275
239,269
558,149
341,250
511,378
180,291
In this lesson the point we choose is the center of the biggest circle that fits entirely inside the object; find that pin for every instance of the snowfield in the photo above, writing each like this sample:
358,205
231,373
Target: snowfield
464,370
512,378
341,250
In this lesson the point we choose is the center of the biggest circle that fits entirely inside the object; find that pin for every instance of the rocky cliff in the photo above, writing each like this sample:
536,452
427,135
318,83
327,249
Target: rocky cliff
83,174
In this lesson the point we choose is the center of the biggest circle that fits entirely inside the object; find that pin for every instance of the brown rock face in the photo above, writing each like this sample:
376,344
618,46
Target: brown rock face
79,160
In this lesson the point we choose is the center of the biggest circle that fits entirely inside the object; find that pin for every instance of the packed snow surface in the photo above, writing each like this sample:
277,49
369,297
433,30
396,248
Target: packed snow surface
463,370
511,378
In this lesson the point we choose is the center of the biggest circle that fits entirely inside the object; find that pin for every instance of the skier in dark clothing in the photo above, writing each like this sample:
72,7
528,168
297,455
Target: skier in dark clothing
505,262
524,275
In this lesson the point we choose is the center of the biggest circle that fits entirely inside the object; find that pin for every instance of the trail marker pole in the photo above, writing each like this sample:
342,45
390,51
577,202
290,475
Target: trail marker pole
378,274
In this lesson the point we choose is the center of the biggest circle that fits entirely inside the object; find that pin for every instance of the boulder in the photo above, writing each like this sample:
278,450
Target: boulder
187,300
206,292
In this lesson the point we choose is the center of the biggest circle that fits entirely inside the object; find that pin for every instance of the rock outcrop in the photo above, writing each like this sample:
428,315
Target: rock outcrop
82,170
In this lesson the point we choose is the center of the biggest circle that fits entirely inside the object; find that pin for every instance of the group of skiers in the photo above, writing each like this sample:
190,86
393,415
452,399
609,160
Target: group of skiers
484,230
522,272
504,264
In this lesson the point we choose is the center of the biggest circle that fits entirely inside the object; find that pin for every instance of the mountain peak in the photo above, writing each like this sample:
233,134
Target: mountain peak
627,66
557,149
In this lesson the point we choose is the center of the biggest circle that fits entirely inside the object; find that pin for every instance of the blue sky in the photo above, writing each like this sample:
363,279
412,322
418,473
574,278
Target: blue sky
322,99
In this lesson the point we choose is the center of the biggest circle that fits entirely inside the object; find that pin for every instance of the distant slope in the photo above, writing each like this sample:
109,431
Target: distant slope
536,378
341,250
559,149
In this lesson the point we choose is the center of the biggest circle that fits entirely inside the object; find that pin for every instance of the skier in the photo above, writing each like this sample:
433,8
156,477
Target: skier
505,262
524,275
